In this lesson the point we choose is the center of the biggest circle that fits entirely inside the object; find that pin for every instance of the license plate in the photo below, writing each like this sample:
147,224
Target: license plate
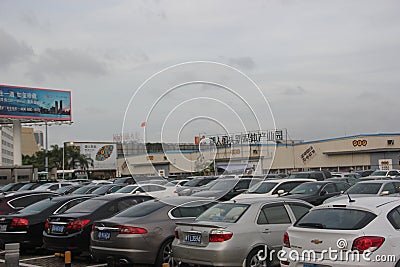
103,235
57,228
193,238
3,227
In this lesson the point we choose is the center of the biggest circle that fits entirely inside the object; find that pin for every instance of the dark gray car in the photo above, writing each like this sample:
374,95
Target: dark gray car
144,233
187,189
225,189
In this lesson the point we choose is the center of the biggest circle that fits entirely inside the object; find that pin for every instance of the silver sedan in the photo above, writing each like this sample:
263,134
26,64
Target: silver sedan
238,232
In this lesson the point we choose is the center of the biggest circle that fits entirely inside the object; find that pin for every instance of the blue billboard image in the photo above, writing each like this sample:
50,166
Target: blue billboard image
34,103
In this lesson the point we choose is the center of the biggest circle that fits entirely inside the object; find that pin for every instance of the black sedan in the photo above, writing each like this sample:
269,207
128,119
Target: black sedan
71,230
317,192
13,202
27,225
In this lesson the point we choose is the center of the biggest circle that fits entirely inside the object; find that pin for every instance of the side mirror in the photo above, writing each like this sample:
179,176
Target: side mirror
385,193
323,193
281,192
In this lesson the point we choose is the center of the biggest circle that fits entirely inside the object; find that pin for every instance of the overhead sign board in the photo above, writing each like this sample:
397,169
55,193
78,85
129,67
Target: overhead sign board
18,102
104,155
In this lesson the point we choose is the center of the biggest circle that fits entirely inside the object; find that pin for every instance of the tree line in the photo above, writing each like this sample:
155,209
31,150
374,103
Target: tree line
73,159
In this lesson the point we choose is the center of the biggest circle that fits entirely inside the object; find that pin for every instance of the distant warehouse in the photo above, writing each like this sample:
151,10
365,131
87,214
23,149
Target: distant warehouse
356,152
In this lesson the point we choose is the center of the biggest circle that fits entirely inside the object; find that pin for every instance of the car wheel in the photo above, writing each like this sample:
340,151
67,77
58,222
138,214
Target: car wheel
252,260
165,255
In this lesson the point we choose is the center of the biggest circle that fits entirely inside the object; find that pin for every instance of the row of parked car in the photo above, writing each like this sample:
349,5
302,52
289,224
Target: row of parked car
226,224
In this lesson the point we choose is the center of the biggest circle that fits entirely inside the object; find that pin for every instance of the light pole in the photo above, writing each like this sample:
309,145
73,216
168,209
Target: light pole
63,157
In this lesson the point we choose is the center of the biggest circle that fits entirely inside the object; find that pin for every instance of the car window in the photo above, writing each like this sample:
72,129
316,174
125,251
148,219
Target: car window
365,188
336,218
69,205
275,214
181,212
397,186
394,217
393,173
287,186
244,184
224,212
262,188
87,206
306,188
299,209
342,186
27,200
142,209
330,188
389,187
126,203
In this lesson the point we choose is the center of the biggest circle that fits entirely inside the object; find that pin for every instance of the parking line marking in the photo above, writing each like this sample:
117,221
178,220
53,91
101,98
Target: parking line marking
38,258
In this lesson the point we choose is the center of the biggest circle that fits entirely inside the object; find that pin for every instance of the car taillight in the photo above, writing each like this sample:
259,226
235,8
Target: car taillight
176,234
47,225
78,224
286,241
19,222
370,243
220,235
131,230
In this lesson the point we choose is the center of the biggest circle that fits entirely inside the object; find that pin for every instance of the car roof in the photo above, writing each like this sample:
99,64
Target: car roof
180,200
254,200
289,180
120,195
376,181
369,203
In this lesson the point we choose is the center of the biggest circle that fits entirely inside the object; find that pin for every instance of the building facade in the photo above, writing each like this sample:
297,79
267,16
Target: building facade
7,146
357,152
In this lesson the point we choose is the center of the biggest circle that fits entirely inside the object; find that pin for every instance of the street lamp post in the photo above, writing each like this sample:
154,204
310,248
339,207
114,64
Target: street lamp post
63,157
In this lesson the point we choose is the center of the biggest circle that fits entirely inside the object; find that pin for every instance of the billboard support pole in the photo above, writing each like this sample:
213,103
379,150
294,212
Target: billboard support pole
46,160
17,142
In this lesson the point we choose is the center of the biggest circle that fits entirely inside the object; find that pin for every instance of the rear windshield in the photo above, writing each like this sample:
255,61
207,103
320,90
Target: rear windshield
365,188
224,212
142,209
379,173
193,182
87,206
336,218
306,188
39,206
300,175
127,189
262,188
224,185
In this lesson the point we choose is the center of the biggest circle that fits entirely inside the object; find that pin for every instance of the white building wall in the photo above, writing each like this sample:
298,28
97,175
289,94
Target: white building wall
7,148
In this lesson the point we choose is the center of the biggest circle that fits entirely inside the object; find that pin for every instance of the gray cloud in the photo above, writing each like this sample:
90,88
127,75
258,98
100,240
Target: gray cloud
64,62
294,91
12,50
243,62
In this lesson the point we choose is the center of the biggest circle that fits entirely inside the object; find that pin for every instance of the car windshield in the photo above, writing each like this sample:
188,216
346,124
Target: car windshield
26,187
64,189
43,186
193,182
378,173
365,188
127,189
224,212
306,188
336,218
262,188
87,206
300,175
224,185
101,190
39,206
172,183
142,209
82,190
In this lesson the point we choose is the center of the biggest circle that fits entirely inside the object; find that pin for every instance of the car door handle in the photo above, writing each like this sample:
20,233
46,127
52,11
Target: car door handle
266,231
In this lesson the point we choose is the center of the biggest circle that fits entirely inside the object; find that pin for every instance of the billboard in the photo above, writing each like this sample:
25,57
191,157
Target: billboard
34,103
104,155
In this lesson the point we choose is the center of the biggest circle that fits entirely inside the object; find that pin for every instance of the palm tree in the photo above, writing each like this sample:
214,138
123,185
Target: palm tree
74,158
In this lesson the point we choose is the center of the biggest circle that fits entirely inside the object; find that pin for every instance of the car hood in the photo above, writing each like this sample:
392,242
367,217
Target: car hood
210,193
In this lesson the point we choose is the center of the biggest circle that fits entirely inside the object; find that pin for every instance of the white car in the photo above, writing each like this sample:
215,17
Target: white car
272,187
390,173
334,234
154,190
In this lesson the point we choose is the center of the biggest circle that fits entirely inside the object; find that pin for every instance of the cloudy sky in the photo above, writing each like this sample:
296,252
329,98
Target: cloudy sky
327,68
